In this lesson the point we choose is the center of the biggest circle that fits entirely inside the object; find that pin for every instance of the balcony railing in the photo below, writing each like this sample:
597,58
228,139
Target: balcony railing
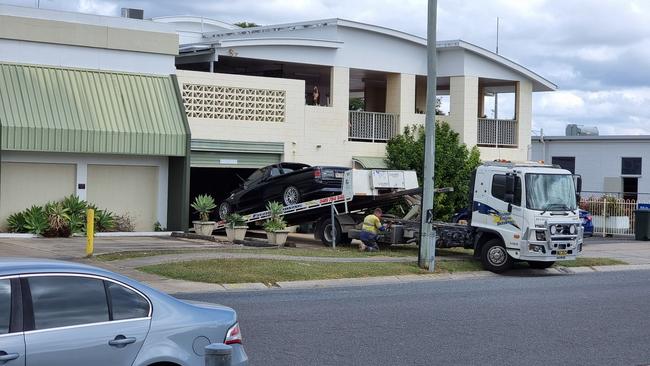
372,126
497,132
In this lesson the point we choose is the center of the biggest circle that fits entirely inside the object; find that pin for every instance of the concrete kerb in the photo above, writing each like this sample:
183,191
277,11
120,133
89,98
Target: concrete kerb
194,287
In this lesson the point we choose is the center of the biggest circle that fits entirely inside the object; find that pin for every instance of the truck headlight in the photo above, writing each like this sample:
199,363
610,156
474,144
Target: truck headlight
536,248
540,235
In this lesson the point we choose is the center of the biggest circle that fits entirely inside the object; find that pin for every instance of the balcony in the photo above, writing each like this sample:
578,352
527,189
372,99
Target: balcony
497,132
372,126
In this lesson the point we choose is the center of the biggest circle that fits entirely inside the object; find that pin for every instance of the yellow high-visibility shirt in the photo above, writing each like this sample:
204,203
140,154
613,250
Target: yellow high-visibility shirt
371,223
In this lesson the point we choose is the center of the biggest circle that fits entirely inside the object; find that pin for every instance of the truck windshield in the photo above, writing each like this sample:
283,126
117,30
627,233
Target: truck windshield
550,192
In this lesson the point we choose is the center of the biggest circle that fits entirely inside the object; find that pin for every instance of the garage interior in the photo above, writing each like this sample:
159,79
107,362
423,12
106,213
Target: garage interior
217,182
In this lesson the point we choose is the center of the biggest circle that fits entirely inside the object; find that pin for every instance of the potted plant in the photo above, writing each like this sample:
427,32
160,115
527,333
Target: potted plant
275,226
235,227
203,205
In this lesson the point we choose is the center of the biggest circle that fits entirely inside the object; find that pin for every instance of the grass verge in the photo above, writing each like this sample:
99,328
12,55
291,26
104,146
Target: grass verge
341,252
273,271
589,262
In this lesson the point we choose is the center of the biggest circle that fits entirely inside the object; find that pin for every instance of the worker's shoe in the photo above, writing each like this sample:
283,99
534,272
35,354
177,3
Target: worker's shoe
362,247
373,249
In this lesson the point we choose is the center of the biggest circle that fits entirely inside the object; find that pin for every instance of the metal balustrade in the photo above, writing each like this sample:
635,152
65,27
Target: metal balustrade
373,126
497,132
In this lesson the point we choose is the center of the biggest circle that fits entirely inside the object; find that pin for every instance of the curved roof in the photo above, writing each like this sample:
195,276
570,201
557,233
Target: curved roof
194,19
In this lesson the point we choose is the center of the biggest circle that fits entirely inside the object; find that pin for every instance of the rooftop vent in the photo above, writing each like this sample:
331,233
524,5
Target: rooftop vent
579,130
132,13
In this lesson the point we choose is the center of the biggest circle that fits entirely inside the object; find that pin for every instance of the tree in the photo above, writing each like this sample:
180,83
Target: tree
357,104
246,24
454,164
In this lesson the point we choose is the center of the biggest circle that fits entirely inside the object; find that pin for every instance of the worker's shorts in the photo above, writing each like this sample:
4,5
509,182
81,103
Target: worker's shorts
368,238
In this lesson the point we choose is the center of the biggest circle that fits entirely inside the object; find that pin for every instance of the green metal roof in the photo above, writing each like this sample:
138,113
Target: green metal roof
371,162
86,111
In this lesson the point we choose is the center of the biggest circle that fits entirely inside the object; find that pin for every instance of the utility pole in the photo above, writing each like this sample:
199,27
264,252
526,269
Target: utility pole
496,95
427,253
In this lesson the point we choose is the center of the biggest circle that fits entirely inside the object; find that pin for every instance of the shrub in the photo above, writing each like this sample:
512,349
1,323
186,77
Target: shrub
123,223
602,206
36,220
16,223
58,220
104,220
235,219
157,226
276,221
204,204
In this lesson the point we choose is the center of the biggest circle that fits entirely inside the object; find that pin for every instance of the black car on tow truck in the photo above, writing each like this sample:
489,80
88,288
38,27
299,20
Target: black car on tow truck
287,183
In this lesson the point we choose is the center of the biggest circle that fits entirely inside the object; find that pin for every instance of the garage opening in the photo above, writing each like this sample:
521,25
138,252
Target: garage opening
217,182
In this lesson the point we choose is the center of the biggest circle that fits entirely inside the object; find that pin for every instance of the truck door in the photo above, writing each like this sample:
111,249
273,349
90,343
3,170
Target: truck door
504,210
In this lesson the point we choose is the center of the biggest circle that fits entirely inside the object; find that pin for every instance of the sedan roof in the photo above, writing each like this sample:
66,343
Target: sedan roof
17,265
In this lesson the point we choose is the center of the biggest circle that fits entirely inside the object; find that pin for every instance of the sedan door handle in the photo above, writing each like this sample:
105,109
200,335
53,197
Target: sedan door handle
121,341
6,357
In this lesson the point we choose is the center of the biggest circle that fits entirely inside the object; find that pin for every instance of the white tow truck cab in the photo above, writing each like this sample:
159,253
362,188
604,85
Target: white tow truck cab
526,212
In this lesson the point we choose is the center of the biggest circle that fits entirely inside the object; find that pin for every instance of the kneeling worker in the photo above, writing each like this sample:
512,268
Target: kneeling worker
371,226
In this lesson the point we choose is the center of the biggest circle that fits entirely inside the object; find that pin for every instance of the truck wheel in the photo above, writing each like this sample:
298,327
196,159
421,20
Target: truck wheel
291,196
494,256
540,265
325,233
224,210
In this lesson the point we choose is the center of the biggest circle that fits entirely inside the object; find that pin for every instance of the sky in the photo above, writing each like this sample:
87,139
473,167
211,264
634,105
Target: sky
596,52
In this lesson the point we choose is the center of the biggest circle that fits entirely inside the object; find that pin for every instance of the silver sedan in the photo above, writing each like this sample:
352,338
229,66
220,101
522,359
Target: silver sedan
60,314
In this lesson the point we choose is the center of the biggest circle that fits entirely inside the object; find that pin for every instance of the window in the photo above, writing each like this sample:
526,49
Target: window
565,162
631,166
126,303
499,188
5,306
61,301
275,171
257,175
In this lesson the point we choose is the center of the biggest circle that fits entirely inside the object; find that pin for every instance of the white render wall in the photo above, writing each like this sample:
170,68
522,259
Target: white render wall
597,161
312,135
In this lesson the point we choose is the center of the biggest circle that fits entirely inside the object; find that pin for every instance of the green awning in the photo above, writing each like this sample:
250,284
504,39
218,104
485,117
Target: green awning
56,109
371,162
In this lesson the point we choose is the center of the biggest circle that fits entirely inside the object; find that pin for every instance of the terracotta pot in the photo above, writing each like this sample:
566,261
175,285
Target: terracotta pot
204,227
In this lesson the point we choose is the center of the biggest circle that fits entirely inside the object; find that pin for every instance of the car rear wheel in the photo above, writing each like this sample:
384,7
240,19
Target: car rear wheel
291,196
224,210
540,265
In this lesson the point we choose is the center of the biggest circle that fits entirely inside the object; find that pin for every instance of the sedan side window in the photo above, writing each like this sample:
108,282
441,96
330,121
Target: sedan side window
5,306
60,301
126,303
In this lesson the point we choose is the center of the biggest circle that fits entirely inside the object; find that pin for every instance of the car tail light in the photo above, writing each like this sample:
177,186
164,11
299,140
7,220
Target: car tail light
233,336
317,173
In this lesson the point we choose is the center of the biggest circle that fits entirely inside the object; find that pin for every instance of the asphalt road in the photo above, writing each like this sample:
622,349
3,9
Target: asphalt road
585,319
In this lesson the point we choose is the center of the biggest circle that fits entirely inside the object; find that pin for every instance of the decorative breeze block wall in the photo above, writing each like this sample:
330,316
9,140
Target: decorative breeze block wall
234,103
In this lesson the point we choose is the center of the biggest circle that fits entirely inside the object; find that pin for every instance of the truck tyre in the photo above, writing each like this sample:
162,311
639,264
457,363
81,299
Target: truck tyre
224,210
325,233
495,257
540,265
291,196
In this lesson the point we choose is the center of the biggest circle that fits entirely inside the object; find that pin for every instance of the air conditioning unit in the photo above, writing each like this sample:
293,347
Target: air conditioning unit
580,130
132,13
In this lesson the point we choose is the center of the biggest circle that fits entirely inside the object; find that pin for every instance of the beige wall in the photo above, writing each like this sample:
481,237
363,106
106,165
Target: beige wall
131,190
87,35
312,135
25,184
463,107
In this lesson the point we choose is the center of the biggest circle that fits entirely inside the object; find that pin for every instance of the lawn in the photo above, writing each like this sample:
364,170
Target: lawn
340,252
589,262
272,271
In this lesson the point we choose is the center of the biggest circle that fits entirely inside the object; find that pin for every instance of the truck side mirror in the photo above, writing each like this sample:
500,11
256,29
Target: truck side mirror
577,180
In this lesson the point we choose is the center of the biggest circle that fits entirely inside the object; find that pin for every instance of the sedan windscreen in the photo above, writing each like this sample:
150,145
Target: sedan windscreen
61,301
5,306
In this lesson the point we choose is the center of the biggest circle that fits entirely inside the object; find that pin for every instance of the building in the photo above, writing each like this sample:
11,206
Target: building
248,93
89,106
608,164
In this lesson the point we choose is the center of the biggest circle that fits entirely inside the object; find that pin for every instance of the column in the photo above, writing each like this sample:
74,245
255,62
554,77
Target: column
463,109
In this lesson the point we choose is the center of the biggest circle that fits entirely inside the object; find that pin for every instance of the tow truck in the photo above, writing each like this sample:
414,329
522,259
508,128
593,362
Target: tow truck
518,212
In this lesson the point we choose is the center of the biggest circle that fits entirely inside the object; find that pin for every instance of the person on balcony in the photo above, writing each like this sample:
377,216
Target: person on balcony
315,95
371,227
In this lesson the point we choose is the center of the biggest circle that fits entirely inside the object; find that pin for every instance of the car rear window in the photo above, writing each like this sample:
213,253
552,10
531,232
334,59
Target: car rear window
5,306
61,301
126,303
